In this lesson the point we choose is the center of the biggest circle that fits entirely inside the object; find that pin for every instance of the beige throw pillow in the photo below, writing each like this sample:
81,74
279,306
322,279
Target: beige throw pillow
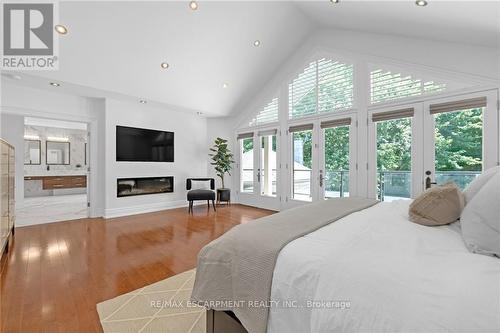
437,206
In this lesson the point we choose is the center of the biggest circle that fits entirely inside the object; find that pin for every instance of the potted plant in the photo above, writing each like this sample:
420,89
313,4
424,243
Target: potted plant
222,160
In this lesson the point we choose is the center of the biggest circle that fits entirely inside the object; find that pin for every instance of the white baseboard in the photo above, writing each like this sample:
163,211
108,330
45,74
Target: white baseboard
149,208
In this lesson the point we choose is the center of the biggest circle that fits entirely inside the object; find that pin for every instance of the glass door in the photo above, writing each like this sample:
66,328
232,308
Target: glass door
336,165
267,173
394,157
259,169
302,162
462,136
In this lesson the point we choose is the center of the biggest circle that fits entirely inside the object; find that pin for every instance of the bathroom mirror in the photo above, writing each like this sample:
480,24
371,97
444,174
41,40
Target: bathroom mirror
32,152
58,153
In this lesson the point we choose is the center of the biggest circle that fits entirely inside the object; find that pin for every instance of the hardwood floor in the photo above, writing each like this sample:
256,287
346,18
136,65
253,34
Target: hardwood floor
55,274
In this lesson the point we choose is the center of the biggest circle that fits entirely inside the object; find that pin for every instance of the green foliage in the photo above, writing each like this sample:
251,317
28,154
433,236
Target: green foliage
337,148
394,145
459,140
222,158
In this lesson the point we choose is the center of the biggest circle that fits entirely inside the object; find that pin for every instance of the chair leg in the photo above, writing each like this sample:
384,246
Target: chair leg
213,204
208,204
190,209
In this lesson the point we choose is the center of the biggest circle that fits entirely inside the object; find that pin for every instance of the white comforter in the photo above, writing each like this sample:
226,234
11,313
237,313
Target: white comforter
391,274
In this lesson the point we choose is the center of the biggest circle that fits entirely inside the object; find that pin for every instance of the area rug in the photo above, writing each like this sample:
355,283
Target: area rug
160,307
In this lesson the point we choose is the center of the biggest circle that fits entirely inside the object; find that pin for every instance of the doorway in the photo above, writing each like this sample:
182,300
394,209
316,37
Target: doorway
56,177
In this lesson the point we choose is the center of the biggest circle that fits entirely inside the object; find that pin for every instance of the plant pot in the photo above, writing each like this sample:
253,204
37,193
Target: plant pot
224,195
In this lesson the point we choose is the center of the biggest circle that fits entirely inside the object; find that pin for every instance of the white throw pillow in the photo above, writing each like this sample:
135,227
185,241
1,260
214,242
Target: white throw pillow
200,184
476,185
480,219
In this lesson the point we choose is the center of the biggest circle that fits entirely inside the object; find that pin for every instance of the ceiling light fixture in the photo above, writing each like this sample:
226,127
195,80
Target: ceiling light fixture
334,1
256,43
421,3
164,65
224,85
54,84
199,113
142,101
193,5
61,29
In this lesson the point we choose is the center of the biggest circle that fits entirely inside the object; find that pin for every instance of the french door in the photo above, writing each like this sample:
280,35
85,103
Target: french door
322,159
461,138
413,147
259,168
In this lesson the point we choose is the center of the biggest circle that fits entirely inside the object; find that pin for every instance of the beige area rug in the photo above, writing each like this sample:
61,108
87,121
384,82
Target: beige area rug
160,307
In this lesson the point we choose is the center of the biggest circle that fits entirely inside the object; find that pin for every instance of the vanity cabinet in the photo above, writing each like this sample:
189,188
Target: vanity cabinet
60,182
7,192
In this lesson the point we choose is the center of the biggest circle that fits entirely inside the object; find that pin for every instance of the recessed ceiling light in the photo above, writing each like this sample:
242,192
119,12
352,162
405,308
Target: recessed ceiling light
164,65
256,42
193,5
421,3
54,84
142,101
224,85
334,1
61,29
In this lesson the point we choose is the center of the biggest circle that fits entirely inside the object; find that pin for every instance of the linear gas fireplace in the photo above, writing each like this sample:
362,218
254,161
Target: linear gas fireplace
127,187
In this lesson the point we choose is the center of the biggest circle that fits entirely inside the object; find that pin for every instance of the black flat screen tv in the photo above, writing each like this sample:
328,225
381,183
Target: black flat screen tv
143,145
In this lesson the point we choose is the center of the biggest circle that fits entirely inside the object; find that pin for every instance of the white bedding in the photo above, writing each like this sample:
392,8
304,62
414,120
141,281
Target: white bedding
394,276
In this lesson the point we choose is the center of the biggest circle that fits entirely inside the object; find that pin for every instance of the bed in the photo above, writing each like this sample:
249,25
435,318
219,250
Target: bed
374,271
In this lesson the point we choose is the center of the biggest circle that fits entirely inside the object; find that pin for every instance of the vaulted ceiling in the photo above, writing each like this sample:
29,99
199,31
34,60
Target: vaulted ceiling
117,47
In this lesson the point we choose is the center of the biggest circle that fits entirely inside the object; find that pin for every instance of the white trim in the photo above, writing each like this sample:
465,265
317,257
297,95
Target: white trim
148,208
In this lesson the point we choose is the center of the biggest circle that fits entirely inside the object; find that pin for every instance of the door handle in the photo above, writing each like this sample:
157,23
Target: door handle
321,178
258,175
428,181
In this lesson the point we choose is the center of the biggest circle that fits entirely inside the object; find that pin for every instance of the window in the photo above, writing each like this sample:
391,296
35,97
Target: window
268,163
336,158
394,158
387,86
268,114
302,162
246,162
458,141
324,86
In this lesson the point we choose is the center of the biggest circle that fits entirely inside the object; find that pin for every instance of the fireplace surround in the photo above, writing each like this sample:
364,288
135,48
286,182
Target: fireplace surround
127,187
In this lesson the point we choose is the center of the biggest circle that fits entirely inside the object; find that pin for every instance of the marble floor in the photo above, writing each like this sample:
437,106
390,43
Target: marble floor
39,210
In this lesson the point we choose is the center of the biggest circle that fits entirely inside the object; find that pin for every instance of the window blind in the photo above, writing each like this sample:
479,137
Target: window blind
336,123
302,93
388,86
268,132
268,114
324,86
472,103
390,115
300,128
245,135
335,85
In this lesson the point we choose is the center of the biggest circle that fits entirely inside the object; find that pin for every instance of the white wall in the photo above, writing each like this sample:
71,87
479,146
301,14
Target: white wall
190,155
223,128
13,132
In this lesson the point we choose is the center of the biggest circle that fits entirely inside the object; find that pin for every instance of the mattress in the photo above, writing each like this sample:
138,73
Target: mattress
375,271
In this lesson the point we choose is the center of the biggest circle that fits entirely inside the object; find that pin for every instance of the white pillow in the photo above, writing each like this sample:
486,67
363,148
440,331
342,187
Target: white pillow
480,219
200,184
476,185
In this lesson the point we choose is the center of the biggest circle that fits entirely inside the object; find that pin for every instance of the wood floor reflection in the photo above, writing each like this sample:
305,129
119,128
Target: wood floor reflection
55,274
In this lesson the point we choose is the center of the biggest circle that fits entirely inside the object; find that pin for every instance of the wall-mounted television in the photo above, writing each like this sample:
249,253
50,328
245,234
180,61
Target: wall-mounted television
143,145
